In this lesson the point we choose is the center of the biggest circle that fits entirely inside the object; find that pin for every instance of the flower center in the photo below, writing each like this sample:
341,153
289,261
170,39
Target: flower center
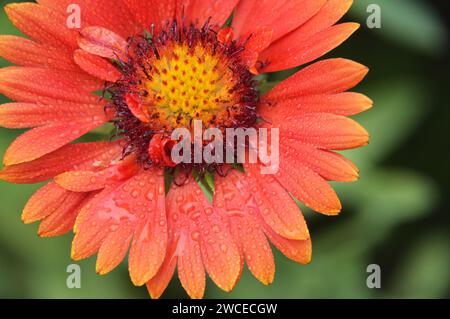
179,76
190,83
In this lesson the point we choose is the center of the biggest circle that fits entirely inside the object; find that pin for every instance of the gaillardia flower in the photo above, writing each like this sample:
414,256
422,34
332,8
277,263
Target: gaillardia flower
161,65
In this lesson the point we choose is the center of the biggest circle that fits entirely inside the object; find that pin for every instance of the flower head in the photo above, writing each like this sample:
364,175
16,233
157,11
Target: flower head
163,65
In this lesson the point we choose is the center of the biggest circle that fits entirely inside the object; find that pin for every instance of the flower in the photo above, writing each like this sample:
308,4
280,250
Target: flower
162,64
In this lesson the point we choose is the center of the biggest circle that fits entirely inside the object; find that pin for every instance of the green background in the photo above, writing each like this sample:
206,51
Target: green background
396,216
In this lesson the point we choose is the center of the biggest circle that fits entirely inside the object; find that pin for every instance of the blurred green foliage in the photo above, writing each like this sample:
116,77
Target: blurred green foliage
397,215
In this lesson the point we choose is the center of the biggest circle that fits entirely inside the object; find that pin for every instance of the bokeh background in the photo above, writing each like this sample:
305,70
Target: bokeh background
396,216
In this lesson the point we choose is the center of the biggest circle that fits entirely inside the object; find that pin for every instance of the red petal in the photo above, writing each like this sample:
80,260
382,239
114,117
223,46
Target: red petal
46,139
136,108
42,24
282,16
288,53
45,86
81,156
346,103
99,13
25,52
152,12
328,76
96,66
103,42
328,15
258,41
24,115
200,11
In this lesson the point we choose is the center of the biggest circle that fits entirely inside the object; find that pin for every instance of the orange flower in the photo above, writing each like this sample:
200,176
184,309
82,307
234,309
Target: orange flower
162,64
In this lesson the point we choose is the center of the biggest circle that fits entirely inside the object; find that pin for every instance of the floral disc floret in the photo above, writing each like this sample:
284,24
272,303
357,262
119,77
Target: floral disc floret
181,75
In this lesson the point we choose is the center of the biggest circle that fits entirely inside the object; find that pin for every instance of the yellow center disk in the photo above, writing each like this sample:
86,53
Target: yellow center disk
188,84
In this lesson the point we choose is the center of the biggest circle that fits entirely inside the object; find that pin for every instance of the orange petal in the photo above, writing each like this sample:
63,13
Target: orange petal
306,185
96,66
232,196
113,250
86,156
297,250
52,26
323,130
257,252
346,103
282,16
46,139
96,220
220,254
288,53
24,52
120,207
87,181
44,202
275,205
62,219
45,86
190,269
330,165
202,229
103,42
160,281
24,115
185,233
148,249
327,76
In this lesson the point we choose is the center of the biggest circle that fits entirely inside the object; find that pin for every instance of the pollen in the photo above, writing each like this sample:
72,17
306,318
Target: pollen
189,83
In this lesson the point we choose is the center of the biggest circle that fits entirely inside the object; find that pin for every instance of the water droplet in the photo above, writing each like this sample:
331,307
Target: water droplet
195,215
150,195
216,229
195,235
